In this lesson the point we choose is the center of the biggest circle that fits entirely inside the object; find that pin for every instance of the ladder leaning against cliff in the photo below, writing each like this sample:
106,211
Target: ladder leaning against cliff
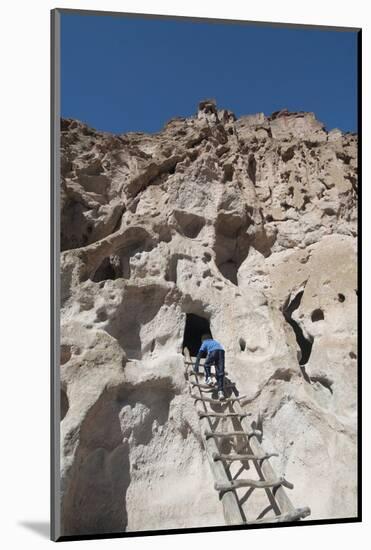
220,463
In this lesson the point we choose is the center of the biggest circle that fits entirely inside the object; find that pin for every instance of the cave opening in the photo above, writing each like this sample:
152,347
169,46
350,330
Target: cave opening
229,270
317,315
305,344
105,271
195,327
188,224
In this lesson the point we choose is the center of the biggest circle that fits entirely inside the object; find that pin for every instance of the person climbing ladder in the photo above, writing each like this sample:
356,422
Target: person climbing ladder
215,356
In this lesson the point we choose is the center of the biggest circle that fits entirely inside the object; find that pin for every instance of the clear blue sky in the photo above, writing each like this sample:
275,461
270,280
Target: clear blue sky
124,74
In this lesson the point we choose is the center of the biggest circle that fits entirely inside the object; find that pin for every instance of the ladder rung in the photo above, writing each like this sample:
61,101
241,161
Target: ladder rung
255,483
221,415
295,515
197,385
232,457
226,400
225,435
204,387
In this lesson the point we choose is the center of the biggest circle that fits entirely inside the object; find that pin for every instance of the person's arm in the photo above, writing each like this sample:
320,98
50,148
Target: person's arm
199,355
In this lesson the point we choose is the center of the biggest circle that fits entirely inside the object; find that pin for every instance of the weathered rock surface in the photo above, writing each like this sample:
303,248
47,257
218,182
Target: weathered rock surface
249,223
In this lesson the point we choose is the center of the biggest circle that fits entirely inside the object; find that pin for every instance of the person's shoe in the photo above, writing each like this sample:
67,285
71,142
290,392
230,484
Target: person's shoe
221,395
195,370
208,381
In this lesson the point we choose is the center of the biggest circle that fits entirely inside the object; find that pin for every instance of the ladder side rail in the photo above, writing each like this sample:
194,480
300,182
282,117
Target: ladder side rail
265,469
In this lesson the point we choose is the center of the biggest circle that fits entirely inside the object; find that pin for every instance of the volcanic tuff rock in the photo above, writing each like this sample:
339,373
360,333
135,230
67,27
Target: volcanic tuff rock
249,223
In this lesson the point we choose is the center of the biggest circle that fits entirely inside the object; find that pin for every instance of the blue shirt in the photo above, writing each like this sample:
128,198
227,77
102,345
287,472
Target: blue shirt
210,345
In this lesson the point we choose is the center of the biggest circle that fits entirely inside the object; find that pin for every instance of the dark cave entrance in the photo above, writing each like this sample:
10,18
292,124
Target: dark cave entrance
229,271
304,343
104,272
195,327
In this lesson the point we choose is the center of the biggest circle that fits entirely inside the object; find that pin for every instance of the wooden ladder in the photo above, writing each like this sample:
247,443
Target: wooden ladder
245,440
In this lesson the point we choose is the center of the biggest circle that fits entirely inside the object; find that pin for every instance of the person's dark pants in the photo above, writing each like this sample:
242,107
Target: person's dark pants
216,358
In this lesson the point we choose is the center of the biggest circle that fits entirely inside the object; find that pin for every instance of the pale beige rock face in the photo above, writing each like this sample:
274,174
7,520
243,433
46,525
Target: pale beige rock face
248,222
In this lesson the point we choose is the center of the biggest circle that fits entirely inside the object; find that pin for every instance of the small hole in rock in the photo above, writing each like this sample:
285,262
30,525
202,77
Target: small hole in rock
101,316
242,344
317,315
352,355
341,297
306,200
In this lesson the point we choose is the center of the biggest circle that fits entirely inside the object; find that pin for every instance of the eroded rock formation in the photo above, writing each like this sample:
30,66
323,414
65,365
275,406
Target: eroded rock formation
247,226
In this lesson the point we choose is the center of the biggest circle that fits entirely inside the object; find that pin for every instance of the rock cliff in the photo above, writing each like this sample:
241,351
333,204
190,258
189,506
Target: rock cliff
246,227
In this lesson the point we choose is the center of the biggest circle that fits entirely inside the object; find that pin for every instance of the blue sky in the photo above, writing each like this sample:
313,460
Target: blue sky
124,74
